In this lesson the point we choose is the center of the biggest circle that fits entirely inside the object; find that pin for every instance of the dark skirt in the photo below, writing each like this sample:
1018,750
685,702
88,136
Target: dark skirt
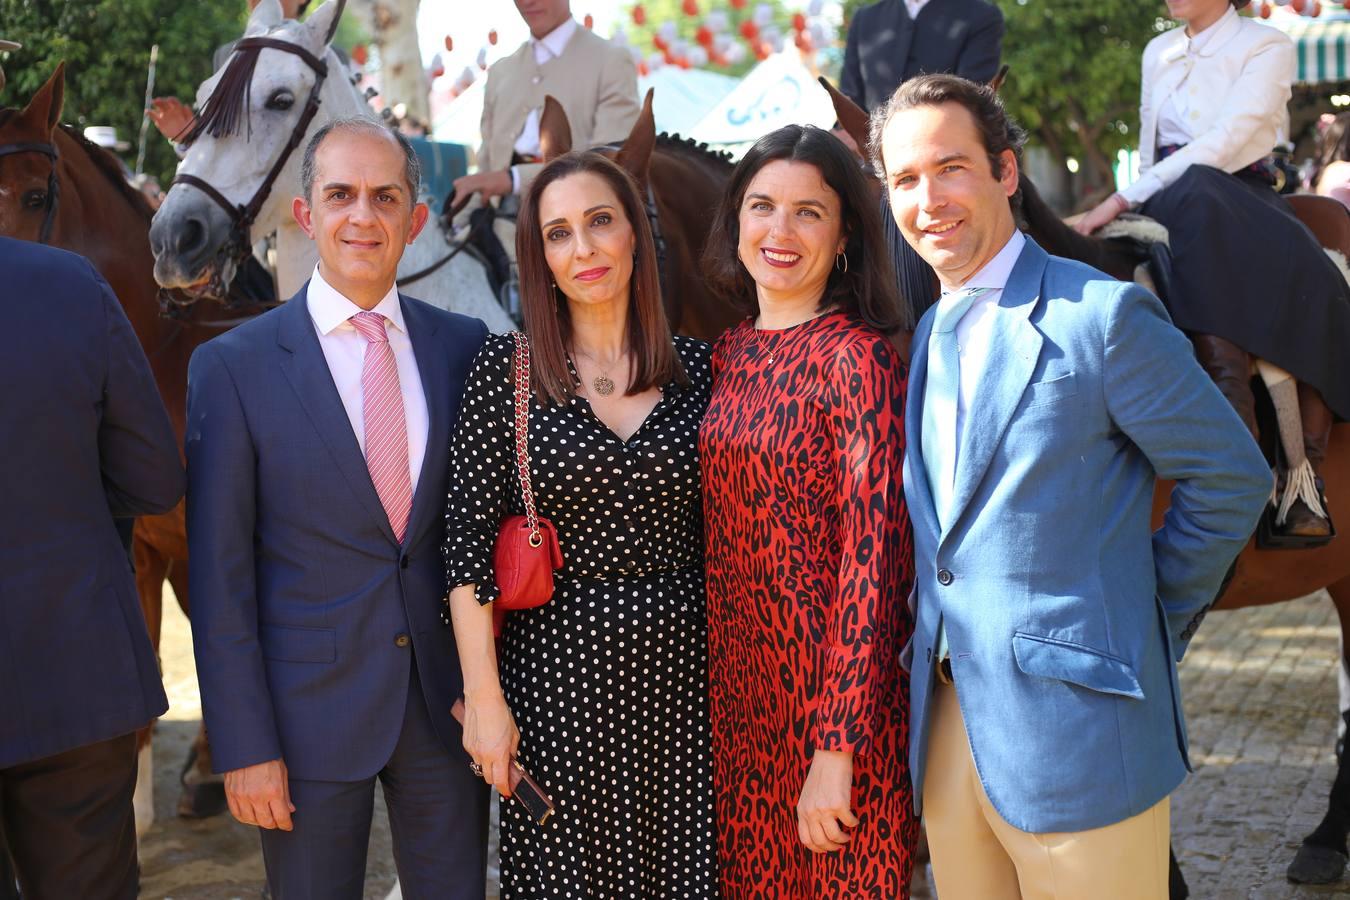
1245,269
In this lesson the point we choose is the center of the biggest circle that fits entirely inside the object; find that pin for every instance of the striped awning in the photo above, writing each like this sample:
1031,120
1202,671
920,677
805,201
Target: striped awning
1323,45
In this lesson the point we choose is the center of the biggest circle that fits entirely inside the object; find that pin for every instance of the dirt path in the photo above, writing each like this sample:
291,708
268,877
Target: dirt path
213,859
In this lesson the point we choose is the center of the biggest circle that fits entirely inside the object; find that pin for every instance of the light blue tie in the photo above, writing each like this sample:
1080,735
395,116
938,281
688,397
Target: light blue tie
940,394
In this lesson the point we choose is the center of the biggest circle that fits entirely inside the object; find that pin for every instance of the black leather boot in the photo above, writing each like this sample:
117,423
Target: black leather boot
1230,367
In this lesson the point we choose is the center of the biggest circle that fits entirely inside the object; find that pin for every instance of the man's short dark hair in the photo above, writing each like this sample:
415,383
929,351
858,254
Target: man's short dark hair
412,166
997,131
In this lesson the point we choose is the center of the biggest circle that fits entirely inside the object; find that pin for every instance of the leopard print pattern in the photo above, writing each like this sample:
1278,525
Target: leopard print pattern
809,562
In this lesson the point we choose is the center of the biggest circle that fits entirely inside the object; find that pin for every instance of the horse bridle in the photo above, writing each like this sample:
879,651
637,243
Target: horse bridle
242,216
53,186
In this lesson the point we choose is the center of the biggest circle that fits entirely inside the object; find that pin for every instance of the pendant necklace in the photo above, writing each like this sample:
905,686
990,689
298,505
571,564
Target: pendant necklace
768,352
764,351
602,384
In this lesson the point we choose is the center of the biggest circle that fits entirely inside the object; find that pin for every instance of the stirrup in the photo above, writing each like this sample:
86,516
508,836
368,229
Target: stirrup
1300,484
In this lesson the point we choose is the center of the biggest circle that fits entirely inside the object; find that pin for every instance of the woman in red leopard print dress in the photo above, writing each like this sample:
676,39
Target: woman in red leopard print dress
809,549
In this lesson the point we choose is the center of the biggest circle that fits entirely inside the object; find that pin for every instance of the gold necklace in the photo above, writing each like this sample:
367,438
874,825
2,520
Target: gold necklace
769,352
763,350
602,383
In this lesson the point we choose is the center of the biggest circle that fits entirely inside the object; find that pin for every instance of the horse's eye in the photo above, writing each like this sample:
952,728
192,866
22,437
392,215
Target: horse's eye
35,199
281,100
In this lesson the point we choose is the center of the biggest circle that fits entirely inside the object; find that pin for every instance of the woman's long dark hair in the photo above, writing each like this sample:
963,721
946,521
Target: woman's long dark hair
867,287
548,320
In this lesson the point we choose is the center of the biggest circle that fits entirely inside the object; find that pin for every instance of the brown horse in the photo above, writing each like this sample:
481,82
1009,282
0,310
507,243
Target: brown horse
1261,576
95,213
685,181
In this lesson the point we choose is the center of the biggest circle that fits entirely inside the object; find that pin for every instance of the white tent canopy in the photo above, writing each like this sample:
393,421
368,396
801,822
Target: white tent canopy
779,91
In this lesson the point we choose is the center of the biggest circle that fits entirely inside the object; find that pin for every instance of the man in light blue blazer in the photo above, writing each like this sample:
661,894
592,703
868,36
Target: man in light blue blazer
1044,400
317,449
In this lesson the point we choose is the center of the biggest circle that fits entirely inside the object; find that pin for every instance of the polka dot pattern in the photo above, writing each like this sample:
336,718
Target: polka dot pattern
608,680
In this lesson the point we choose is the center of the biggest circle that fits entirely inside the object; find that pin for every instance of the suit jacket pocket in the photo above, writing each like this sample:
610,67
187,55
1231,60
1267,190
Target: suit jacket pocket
1052,390
293,643
1077,664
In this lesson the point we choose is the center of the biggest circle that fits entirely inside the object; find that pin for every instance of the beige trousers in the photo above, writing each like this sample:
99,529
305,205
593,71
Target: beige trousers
978,856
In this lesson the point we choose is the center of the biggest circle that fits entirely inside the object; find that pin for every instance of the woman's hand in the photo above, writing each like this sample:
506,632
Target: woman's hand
1101,214
491,737
825,802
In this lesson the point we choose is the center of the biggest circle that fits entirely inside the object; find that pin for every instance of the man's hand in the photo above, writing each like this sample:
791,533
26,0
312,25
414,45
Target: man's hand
489,184
826,801
260,795
170,116
1101,214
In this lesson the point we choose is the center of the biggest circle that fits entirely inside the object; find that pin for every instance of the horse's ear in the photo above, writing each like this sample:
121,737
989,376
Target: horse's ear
852,118
265,16
555,132
44,110
636,153
322,25
997,81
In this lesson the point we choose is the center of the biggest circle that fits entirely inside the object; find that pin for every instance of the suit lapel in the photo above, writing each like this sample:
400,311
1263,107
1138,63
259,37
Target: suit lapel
433,368
921,509
1014,348
306,369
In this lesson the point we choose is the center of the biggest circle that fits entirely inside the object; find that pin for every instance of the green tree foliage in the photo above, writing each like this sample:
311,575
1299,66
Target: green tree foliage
106,47
1074,75
1073,81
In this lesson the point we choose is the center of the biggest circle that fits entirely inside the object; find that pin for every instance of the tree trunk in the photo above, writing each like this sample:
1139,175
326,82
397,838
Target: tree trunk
393,29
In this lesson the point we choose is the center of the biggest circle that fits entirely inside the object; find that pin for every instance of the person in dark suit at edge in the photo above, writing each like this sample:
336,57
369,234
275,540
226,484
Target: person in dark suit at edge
892,41
88,440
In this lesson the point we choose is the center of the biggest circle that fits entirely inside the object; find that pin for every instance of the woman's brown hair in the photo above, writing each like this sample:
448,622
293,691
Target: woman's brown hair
865,285
548,320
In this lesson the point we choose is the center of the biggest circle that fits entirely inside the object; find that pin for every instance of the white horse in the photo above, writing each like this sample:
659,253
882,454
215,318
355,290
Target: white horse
190,229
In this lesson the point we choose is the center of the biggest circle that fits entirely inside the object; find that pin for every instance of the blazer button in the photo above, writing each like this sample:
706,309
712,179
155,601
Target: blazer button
403,561
945,577
402,640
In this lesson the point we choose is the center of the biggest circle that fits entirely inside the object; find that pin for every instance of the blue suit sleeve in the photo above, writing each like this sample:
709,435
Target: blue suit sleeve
1164,402
142,470
221,514
983,49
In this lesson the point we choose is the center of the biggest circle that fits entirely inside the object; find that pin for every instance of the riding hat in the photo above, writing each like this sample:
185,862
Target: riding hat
9,45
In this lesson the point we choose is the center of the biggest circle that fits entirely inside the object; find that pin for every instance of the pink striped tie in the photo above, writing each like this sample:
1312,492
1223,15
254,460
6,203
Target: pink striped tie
386,429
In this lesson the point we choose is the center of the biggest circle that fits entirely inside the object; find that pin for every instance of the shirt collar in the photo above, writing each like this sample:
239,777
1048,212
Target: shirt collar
1211,37
995,273
556,40
330,309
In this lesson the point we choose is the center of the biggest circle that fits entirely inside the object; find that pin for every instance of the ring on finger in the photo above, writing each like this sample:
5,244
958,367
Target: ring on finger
476,769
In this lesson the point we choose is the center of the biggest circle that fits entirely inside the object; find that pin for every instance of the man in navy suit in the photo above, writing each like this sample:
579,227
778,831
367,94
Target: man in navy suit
892,41
317,446
87,439
1045,398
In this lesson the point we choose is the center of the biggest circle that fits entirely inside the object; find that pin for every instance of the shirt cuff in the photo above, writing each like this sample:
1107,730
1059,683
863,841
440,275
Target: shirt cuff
515,180
1142,189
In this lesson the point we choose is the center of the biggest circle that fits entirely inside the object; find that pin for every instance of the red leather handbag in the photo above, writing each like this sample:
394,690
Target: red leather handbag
526,552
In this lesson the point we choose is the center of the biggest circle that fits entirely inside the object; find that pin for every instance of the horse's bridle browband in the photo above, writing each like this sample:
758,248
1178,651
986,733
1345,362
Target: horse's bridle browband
53,186
242,216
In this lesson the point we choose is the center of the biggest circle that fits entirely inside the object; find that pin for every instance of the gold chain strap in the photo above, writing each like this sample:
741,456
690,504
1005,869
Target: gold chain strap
522,395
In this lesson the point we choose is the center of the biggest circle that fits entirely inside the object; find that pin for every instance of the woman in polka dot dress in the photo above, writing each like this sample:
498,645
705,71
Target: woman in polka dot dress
607,681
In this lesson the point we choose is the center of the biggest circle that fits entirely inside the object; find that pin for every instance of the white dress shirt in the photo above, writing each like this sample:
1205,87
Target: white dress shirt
1174,113
974,331
976,327
345,350
913,7
548,47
